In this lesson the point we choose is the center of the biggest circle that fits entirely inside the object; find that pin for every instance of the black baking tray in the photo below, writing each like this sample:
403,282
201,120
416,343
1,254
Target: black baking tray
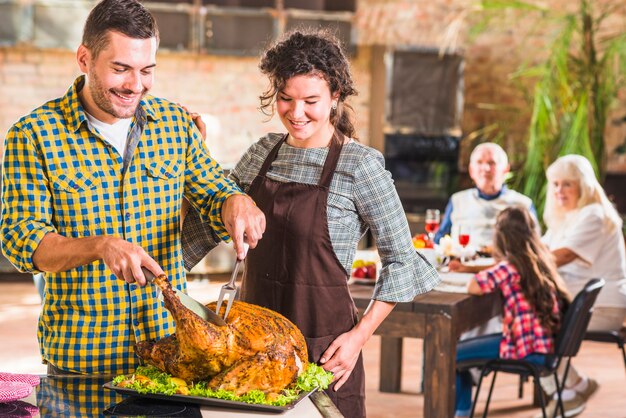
201,400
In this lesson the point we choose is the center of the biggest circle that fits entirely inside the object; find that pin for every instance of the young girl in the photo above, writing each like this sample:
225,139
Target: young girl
533,298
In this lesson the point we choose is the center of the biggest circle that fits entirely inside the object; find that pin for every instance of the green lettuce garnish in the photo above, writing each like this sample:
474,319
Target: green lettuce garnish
314,377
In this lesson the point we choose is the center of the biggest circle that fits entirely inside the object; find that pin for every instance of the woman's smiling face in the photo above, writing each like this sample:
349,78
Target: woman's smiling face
566,193
304,107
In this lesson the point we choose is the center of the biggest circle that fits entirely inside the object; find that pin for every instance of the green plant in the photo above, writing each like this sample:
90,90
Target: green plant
572,88
575,87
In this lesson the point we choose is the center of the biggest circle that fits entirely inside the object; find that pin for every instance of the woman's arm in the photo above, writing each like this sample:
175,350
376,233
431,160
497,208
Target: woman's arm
564,256
342,354
456,265
473,288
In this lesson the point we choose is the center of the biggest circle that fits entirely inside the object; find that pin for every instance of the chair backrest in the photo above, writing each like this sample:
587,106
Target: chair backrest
576,319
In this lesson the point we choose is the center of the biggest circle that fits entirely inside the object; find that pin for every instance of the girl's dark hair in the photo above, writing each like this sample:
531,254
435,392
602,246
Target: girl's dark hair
127,17
317,53
517,241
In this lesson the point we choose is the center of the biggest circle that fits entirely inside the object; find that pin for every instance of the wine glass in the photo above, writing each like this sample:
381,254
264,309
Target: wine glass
464,239
432,222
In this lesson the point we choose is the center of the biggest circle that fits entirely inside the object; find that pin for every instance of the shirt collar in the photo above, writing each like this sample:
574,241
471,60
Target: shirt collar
74,111
492,196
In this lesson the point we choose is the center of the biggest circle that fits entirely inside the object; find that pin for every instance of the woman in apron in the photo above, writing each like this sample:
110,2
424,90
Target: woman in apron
320,191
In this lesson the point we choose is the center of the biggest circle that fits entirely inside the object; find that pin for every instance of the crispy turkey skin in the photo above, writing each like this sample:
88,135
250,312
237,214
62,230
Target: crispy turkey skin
257,349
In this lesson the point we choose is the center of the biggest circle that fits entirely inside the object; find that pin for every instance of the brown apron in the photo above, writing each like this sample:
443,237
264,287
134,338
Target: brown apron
295,271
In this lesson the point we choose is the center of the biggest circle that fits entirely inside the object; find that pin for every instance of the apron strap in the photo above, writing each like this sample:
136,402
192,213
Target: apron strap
271,157
336,144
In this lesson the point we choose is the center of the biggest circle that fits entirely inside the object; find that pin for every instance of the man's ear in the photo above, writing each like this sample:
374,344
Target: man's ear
83,56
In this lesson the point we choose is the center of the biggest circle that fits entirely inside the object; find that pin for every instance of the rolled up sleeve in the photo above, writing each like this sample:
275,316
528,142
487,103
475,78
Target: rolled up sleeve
26,210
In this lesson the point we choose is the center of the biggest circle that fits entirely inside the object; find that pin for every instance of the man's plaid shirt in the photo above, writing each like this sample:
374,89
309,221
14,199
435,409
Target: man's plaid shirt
523,332
61,176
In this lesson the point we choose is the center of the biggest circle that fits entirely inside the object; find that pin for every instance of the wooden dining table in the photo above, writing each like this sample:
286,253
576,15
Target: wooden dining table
438,318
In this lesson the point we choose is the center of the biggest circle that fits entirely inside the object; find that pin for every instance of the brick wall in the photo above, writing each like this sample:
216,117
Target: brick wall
490,57
228,87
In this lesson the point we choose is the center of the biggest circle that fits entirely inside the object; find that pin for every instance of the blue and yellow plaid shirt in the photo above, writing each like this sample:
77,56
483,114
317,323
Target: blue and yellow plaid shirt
61,176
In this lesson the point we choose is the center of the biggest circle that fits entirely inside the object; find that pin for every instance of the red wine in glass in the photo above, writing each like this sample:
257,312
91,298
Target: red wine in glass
432,227
464,239
431,222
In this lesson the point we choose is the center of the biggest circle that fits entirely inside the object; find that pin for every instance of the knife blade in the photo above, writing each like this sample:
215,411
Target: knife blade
190,303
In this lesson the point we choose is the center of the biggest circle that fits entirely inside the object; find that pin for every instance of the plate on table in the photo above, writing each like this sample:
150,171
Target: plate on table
357,280
202,400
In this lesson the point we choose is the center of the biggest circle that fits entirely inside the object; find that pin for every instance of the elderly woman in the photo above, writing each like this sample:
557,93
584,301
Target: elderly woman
585,235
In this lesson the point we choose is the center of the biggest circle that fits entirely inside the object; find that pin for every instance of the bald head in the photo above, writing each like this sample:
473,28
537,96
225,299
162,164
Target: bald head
488,167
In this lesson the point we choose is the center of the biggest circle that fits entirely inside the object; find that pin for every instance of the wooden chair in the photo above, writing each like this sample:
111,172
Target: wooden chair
567,344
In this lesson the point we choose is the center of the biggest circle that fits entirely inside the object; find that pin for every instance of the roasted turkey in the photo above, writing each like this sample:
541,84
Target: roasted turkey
257,349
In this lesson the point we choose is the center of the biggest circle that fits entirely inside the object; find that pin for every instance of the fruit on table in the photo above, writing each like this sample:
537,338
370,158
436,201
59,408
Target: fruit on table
364,269
422,241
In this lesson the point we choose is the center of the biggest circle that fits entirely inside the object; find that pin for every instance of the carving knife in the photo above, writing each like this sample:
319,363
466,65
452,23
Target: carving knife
190,303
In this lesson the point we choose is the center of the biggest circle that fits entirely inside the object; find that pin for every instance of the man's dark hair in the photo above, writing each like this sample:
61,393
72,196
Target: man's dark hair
127,17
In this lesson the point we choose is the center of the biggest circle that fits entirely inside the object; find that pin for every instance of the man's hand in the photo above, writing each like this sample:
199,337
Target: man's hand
57,253
242,219
125,260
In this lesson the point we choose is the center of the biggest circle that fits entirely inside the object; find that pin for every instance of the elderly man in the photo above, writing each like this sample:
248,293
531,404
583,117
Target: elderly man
476,209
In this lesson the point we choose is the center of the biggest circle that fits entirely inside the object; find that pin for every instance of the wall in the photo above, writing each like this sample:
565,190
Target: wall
224,87
228,87
491,97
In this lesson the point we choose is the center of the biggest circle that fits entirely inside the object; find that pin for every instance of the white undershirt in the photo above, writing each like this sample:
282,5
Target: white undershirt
115,134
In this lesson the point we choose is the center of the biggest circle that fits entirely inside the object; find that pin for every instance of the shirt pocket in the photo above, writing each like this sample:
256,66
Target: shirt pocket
76,194
164,169
75,181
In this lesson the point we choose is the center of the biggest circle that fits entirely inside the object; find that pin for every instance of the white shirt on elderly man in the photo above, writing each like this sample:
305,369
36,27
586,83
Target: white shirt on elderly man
479,211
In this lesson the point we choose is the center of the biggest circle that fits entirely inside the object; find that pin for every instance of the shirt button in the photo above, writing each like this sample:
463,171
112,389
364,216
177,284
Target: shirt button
127,215
135,322
75,186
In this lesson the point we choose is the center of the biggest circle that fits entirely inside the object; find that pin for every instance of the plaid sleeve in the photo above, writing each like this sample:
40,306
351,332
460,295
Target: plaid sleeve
489,280
206,187
26,210
197,239
404,274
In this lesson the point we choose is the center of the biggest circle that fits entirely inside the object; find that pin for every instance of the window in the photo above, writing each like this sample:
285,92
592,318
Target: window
426,93
236,27
9,23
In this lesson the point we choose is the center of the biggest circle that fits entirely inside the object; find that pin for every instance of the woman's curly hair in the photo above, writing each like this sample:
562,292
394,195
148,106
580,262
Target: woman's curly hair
304,52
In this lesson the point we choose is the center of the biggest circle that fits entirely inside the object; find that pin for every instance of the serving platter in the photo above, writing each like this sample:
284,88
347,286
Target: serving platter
201,400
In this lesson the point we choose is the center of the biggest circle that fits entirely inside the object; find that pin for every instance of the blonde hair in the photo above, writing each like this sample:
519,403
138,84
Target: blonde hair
578,169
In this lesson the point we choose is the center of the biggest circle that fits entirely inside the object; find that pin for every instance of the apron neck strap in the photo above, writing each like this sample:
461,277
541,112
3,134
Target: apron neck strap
271,157
336,143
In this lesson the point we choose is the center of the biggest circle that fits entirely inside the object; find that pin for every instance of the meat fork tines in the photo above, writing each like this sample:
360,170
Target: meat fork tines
230,289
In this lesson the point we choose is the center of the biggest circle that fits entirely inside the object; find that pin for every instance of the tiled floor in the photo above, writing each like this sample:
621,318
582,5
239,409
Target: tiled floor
19,308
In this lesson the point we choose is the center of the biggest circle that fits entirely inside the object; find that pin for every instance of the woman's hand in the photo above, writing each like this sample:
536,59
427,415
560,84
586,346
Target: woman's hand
456,265
341,356
197,120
